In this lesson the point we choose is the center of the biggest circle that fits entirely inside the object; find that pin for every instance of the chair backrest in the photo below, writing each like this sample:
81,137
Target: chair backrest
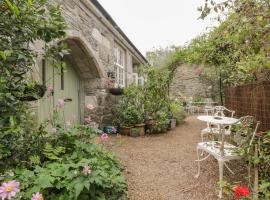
221,110
248,127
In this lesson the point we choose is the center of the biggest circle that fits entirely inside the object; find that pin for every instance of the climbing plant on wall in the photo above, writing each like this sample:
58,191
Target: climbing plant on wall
21,24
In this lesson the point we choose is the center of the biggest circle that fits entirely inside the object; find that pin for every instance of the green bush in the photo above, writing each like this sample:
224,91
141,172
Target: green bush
57,170
60,164
130,110
66,180
177,111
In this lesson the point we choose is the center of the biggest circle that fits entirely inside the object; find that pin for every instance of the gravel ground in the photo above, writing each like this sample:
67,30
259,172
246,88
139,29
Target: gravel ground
162,167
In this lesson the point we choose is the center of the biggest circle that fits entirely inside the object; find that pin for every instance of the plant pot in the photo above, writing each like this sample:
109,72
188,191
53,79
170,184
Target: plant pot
141,128
125,130
116,91
110,130
172,124
34,94
134,132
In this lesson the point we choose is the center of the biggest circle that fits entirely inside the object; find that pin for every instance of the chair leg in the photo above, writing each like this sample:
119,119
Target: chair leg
202,138
199,164
221,168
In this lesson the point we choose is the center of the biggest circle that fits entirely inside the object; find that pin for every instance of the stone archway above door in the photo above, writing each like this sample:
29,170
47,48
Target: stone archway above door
86,58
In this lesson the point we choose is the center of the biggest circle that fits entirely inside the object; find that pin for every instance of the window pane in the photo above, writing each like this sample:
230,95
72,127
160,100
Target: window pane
115,55
121,76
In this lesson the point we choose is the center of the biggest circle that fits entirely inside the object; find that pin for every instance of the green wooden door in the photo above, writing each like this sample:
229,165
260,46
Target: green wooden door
66,86
46,104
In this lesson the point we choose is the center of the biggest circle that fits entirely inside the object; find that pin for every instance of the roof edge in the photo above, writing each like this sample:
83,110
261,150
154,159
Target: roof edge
114,24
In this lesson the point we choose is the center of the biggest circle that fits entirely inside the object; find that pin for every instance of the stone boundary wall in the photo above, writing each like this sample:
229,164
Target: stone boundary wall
188,83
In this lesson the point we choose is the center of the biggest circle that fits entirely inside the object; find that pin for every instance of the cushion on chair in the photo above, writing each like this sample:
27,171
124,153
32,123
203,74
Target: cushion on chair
213,148
215,131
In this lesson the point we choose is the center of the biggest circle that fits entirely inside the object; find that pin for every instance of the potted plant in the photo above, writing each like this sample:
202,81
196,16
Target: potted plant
134,132
114,88
177,113
139,121
128,118
131,110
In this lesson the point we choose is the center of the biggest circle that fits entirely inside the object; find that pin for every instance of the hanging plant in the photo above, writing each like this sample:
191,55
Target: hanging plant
33,92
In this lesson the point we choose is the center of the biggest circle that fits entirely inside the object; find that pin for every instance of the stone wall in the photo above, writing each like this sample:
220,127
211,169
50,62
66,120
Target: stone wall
187,83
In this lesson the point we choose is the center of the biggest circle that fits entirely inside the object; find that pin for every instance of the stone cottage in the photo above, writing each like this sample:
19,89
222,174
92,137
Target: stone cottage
98,48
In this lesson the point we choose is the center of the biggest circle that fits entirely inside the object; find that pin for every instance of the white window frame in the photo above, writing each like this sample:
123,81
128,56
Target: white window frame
119,69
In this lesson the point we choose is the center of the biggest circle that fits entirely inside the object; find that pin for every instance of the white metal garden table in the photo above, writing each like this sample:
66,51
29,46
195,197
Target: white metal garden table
222,122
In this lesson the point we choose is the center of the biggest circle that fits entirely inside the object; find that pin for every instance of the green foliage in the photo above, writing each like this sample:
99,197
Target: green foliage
57,170
45,162
21,24
156,91
66,180
238,47
157,100
177,111
130,110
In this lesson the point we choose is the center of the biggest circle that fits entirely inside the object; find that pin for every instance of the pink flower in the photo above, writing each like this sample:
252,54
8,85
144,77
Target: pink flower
86,170
9,189
61,103
114,130
104,137
90,106
37,196
88,120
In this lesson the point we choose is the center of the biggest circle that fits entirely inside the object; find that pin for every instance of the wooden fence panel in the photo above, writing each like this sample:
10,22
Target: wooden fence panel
252,99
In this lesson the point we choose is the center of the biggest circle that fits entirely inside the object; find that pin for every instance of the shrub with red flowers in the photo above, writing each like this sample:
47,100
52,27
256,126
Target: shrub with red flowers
241,191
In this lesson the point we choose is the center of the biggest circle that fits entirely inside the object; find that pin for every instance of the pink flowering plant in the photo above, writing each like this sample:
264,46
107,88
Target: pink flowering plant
9,189
65,161
55,159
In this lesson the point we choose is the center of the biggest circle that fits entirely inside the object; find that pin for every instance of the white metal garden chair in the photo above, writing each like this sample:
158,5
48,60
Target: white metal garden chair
191,109
223,151
219,111
209,108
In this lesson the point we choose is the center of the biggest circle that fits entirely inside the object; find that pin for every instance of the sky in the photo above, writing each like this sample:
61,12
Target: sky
151,24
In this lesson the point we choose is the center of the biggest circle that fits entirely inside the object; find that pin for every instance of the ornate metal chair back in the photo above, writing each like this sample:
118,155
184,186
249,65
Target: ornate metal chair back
247,129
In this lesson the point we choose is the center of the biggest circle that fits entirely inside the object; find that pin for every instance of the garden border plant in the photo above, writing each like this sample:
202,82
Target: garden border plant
54,160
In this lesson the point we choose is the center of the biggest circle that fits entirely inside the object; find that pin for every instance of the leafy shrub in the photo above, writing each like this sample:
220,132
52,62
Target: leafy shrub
130,110
66,180
57,172
60,164
177,111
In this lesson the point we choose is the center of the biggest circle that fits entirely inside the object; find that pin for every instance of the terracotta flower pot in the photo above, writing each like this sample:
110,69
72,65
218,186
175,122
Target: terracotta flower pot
172,123
141,128
125,130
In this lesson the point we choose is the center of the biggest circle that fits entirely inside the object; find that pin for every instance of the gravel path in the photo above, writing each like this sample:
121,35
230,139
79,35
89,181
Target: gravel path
162,167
